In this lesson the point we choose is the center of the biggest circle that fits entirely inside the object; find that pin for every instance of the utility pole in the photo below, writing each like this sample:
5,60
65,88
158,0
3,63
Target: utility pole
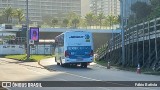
27,36
122,33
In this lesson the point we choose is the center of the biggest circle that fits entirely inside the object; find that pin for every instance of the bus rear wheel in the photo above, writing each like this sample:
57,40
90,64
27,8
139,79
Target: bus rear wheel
83,65
58,63
55,59
63,65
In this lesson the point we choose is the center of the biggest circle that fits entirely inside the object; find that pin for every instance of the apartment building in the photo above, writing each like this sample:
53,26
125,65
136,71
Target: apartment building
108,7
85,7
43,8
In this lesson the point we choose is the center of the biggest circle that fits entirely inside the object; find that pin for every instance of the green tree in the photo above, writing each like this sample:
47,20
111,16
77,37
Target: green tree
71,16
20,15
106,23
54,22
8,14
75,21
155,3
2,20
89,19
65,22
95,21
141,10
131,20
155,8
100,17
111,20
155,13
83,23
46,19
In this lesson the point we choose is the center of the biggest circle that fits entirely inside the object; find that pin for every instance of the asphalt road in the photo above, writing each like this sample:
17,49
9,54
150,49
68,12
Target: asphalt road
13,70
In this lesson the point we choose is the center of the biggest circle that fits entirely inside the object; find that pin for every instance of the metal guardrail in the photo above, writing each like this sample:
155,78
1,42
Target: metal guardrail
140,32
147,31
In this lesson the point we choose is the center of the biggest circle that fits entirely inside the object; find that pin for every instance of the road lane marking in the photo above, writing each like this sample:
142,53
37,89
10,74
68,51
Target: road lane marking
82,76
76,76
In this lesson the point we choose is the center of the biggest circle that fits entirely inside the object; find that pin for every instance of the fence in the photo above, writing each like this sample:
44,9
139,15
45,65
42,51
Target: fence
42,49
141,45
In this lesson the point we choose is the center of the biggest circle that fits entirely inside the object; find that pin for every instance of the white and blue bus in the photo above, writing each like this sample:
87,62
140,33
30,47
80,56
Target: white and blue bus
74,48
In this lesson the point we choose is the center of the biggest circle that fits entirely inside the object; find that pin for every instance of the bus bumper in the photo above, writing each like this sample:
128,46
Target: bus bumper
84,60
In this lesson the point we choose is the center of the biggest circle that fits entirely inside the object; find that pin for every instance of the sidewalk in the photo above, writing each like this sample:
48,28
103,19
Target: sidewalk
47,62
31,64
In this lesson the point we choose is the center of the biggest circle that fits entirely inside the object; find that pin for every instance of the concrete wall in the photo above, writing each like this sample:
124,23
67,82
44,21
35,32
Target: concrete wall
12,49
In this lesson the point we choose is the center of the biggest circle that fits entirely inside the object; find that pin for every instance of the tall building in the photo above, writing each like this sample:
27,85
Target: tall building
96,6
43,8
127,6
84,7
112,7
108,7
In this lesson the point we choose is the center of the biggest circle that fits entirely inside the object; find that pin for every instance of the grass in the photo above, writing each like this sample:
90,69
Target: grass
33,58
132,69
102,62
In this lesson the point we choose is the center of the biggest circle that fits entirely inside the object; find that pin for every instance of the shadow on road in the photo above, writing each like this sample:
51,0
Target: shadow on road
23,63
67,68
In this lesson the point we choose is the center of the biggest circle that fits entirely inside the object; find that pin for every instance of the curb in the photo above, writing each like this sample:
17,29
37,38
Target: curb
49,69
105,67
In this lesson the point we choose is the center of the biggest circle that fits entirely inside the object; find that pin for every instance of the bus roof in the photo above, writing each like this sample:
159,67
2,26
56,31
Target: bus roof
70,31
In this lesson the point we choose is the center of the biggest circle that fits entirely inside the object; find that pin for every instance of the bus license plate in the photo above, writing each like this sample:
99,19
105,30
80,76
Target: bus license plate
80,59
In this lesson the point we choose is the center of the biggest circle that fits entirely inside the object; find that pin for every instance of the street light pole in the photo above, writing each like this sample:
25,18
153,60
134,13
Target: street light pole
122,33
27,36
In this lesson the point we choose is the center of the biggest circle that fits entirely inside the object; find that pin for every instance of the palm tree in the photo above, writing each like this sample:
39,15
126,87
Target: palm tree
65,22
75,21
46,19
2,20
95,21
106,22
8,13
20,15
89,19
100,17
71,16
115,20
83,23
54,21
111,20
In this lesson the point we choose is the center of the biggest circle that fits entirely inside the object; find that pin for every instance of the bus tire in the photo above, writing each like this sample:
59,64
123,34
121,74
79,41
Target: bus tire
83,65
58,63
55,59
61,63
